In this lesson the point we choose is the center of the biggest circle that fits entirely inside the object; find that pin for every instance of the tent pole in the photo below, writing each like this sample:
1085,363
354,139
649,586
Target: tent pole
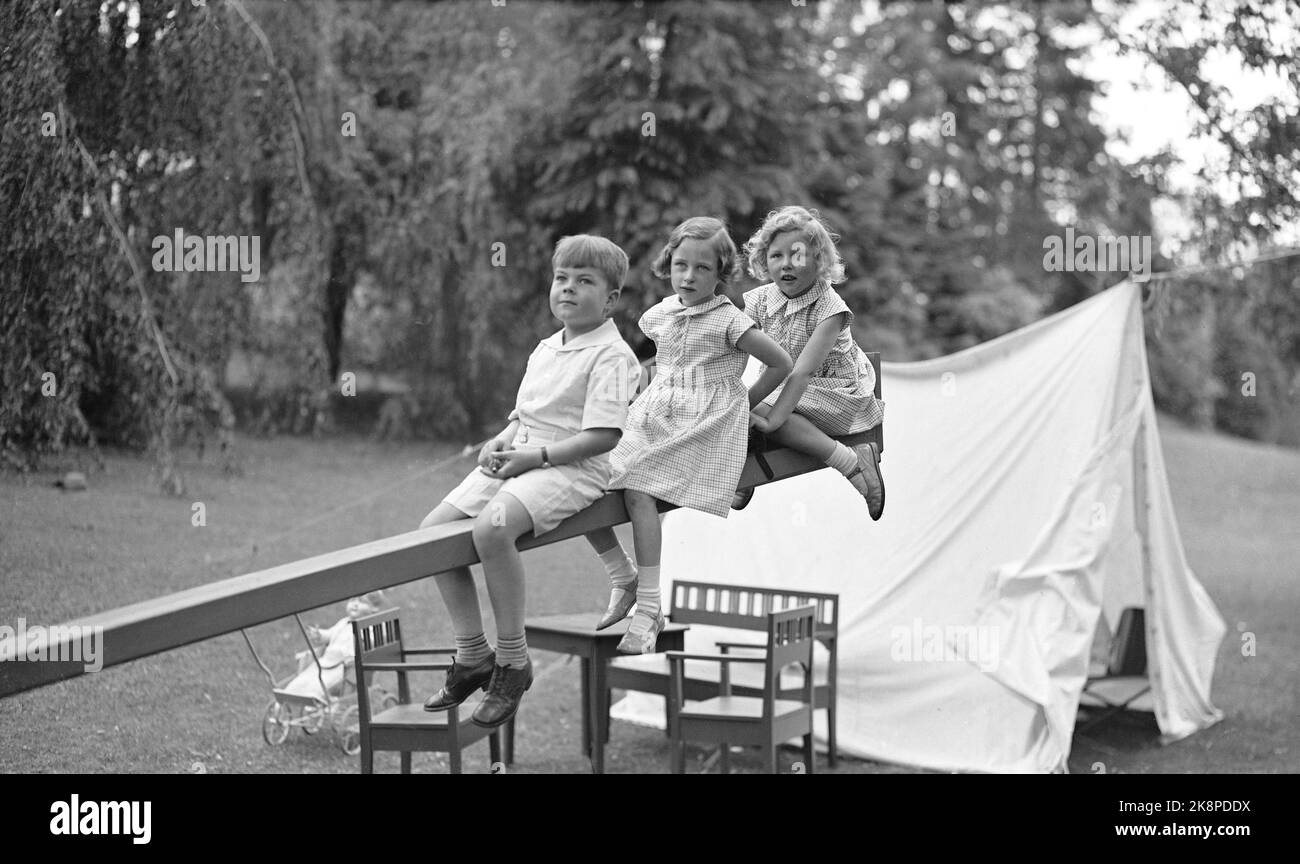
1141,517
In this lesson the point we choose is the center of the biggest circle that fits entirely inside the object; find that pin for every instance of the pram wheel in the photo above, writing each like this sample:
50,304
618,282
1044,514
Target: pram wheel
313,718
381,697
347,727
276,723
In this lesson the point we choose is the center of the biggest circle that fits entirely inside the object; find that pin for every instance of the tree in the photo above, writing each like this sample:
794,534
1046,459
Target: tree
676,110
102,148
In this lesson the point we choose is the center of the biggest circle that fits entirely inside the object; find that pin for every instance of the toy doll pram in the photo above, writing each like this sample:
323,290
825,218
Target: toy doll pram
323,690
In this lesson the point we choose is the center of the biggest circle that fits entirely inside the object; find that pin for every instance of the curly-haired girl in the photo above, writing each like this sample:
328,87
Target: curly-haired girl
831,390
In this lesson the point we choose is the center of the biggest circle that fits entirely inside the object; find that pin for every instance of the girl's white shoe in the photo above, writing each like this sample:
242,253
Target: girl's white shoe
621,601
642,636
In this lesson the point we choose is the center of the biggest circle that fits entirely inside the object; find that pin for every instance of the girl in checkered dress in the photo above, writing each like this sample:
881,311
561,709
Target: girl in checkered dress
685,438
831,390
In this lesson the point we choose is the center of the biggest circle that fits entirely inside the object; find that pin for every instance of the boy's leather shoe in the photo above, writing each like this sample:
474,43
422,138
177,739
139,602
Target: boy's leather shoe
461,682
504,694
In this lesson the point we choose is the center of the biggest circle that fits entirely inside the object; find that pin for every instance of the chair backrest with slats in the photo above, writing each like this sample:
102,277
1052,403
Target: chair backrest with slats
377,638
746,607
790,636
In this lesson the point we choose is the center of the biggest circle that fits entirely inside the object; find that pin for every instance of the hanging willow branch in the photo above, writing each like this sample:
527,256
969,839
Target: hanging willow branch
137,269
298,118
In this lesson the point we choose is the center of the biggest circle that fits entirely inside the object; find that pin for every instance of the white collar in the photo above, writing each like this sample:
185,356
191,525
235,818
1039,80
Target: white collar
674,305
604,334
776,300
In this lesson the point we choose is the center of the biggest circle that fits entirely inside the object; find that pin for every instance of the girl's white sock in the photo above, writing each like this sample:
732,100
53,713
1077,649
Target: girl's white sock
647,591
842,459
621,570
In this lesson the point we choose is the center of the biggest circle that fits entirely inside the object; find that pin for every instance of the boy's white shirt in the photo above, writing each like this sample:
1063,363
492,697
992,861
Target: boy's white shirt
585,383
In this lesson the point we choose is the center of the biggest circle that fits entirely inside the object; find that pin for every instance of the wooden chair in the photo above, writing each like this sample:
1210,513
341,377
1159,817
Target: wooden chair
407,727
765,721
738,607
1126,662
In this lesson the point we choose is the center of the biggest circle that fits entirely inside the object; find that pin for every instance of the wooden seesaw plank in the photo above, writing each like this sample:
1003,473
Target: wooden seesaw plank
217,608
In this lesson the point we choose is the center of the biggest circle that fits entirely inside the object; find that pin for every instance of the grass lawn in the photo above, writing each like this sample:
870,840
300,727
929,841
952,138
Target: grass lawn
64,555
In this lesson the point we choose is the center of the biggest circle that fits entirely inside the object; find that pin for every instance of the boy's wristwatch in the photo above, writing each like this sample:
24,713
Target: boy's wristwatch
546,460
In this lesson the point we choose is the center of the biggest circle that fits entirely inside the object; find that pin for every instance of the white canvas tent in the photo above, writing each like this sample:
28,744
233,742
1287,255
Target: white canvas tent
1027,498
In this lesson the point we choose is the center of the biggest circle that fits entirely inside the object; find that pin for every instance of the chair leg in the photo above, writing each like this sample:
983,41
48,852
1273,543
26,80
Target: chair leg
510,742
367,757
677,756
406,761
494,748
831,748
769,751
809,755
724,758
453,755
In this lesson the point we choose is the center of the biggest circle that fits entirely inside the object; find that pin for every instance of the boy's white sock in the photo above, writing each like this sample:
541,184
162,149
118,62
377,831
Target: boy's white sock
472,650
621,570
842,459
512,650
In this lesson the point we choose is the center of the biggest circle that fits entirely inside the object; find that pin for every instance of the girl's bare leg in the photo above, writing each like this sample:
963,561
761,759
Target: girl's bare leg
602,540
860,465
799,433
647,537
643,632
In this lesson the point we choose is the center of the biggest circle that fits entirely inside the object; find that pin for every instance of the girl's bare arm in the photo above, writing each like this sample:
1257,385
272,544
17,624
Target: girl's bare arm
758,344
813,356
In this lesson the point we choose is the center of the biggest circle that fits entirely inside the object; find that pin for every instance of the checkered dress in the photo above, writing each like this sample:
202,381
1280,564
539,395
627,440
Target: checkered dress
686,433
840,399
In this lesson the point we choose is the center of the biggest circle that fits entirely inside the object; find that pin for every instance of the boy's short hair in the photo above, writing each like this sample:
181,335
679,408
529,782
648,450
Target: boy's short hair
809,224
588,250
708,229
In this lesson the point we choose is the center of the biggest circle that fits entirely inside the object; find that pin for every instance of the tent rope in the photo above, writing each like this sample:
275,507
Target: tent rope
1267,255
249,549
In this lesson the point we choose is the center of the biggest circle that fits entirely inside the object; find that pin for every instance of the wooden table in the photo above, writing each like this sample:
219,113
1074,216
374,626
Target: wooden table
576,634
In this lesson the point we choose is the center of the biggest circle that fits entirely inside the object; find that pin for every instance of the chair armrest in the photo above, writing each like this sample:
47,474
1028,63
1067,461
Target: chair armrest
677,672
406,651
674,656
406,667
725,645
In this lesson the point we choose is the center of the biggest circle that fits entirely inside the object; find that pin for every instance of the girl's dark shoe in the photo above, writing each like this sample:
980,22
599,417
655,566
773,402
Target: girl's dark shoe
504,694
868,480
461,682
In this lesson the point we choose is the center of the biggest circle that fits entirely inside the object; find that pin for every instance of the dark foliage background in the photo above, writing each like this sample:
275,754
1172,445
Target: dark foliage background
942,142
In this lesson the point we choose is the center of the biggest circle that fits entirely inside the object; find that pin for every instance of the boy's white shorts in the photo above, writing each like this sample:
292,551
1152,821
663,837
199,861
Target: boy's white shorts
550,495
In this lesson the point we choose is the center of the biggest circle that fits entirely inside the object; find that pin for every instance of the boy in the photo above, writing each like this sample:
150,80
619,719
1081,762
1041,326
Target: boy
547,464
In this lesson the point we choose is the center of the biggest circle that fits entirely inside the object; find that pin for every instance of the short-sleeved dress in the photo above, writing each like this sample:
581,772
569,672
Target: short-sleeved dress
840,399
685,438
